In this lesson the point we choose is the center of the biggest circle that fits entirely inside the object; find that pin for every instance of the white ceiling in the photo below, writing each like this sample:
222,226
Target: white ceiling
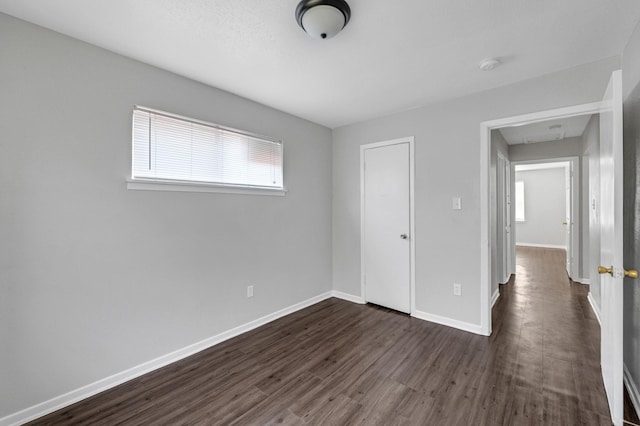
392,56
551,130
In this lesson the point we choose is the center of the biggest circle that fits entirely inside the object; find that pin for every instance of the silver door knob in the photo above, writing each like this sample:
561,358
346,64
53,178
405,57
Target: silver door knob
403,236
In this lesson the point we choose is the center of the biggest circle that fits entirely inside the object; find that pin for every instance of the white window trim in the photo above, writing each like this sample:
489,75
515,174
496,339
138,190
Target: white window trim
180,186
151,184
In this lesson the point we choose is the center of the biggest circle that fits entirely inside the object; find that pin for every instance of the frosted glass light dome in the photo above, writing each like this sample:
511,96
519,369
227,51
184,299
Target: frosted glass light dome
323,19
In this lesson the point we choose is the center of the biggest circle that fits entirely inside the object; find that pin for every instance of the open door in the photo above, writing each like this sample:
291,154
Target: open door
568,220
611,255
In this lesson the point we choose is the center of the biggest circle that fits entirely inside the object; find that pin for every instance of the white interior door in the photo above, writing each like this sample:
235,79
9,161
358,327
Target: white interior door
611,255
507,221
567,218
386,227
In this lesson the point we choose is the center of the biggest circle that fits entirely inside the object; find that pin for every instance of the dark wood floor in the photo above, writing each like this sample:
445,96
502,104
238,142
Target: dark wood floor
341,363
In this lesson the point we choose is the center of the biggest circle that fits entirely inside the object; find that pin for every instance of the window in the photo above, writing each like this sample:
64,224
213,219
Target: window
520,201
179,150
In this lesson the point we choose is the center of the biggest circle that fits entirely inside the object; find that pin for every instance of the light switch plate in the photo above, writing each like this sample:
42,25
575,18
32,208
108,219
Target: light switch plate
457,203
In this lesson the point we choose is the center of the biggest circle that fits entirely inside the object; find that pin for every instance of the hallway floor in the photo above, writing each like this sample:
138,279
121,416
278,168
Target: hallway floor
558,335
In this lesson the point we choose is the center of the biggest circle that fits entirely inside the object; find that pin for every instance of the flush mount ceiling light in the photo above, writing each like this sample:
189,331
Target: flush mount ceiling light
488,64
323,18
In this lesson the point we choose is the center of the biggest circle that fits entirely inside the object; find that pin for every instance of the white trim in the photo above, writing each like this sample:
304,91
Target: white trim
543,162
178,186
632,388
424,316
506,279
485,161
536,117
412,240
594,307
585,281
460,325
552,246
485,226
525,166
348,297
101,385
495,297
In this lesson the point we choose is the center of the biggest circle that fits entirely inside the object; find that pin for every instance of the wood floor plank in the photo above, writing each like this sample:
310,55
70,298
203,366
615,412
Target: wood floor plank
339,363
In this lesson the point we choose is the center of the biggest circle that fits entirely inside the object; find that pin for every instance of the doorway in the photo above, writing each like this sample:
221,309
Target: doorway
486,210
548,208
387,234
605,207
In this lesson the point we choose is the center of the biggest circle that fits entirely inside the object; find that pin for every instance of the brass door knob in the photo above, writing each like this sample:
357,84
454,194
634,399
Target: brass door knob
603,270
631,273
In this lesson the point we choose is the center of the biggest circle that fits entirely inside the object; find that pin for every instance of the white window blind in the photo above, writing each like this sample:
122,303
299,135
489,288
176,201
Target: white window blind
171,148
520,201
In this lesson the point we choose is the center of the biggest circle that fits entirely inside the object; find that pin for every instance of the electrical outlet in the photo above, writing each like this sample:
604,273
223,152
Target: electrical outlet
250,291
457,289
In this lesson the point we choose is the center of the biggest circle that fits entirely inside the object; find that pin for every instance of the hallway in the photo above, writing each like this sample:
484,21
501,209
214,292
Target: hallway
558,340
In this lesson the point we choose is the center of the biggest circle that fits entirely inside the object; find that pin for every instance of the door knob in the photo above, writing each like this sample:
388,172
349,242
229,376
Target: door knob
403,236
603,270
631,273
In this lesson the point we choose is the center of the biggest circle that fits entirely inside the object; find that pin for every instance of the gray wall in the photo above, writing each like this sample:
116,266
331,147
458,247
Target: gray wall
545,207
447,153
591,148
631,87
95,279
569,147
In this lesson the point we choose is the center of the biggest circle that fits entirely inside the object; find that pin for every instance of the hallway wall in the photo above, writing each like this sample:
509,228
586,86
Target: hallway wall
591,152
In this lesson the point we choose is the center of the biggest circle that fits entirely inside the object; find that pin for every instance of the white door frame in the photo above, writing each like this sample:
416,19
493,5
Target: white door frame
485,196
503,193
509,249
412,233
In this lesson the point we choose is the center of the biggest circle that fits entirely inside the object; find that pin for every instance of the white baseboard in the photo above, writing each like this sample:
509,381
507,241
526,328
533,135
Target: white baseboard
91,389
495,297
348,297
553,246
423,315
632,388
594,306
460,325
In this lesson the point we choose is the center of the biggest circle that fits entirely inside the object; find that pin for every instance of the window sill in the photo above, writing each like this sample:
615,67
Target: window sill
178,186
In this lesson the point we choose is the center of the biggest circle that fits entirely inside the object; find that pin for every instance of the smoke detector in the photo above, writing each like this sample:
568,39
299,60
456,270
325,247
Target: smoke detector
488,64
